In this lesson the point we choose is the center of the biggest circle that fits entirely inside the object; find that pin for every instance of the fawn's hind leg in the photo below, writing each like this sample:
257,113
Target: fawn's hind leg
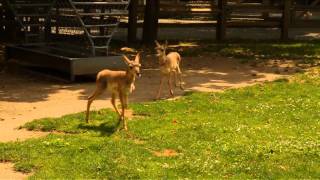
113,102
176,78
101,86
91,98
170,83
180,77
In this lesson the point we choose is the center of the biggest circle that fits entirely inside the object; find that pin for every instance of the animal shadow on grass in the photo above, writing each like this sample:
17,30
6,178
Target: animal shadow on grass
105,129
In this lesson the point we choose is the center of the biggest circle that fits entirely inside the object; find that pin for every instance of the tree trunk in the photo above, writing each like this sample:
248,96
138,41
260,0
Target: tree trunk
150,24
133,18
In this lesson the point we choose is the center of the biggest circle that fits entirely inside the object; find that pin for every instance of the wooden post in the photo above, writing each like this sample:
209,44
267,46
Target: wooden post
265,15
2,22
150,24
221,20
47,28
11,28
101,18
133,21
286,17
57,18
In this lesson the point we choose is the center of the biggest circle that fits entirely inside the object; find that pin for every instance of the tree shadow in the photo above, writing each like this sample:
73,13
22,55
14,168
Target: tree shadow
104,129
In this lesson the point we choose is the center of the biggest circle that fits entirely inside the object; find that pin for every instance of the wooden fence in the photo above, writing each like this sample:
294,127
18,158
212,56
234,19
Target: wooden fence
219,14
223,14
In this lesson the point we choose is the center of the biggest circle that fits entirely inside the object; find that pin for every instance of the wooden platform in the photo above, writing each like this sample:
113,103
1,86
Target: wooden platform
67,62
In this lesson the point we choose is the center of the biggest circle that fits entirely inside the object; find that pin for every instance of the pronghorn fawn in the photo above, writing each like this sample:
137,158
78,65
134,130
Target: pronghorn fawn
118,83
169,66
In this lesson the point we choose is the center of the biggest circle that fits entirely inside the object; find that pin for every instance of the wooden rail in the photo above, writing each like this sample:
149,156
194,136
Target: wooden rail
219,14
224,14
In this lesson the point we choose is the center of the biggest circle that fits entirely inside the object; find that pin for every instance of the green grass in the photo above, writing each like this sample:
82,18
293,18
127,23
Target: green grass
300,50
264,131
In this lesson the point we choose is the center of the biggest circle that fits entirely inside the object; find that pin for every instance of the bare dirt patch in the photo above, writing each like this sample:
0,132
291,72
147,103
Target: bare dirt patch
7,172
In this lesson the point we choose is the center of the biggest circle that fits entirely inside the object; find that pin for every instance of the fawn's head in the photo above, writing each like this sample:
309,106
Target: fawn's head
161,49
133,66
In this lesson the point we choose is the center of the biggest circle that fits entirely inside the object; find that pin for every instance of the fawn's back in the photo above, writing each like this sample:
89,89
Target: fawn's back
171,63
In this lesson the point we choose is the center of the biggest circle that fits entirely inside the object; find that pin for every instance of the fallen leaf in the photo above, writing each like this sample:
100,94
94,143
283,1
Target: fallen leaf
174,121
165,153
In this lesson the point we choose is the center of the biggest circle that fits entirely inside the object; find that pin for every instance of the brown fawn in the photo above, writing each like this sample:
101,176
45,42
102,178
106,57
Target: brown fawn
118,83
169,65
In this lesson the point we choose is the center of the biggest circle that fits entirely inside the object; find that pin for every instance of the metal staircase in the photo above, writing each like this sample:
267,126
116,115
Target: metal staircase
100,20
32,16
85,25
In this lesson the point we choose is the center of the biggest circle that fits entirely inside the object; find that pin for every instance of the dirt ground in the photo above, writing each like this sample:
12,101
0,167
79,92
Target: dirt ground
6,172
25,96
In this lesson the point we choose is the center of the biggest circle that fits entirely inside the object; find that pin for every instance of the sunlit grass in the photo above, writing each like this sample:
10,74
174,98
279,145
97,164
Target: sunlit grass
263,131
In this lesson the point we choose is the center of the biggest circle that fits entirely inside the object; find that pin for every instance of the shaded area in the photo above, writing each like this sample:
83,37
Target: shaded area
208,33
206,67
20,85
104,129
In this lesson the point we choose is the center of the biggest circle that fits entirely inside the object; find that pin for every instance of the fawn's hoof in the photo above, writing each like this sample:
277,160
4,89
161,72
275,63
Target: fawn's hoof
171,93
122,128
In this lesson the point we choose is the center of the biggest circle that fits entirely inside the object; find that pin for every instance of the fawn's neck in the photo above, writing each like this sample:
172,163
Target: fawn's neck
130,77
162,59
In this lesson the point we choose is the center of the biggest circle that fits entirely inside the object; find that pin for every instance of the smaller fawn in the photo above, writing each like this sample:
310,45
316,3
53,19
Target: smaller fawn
118,83
169,65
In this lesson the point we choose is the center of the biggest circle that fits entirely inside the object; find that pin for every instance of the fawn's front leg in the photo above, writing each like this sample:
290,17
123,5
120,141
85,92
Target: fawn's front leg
122,115
160,87
124,107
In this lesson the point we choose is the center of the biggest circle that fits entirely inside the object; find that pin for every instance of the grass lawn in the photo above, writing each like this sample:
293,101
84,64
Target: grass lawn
299,50
263,131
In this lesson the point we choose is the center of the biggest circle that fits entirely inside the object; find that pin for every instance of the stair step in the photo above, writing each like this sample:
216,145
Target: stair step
100,36
32,35
120,13
100,3
33,5
34,24
101,47
100,25
31,15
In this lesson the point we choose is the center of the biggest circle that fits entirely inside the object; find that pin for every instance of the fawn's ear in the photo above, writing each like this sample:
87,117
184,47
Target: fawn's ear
137,59
157,43
126,59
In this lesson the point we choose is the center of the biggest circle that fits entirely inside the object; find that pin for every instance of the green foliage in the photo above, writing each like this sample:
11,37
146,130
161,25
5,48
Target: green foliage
263,131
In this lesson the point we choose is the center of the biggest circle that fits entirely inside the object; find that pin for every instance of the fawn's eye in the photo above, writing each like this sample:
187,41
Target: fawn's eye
131,67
